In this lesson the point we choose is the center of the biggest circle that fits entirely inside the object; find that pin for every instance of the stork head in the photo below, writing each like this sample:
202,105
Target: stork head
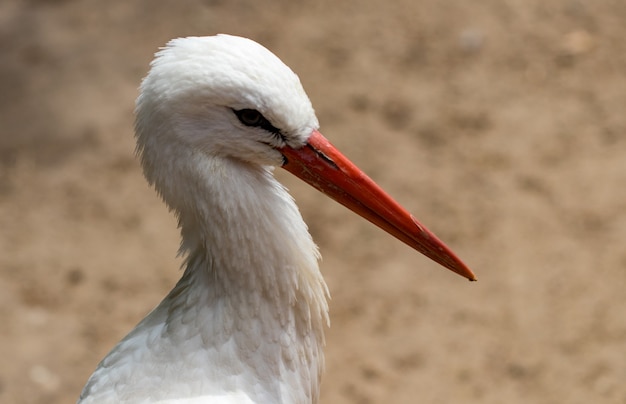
230,98
223,95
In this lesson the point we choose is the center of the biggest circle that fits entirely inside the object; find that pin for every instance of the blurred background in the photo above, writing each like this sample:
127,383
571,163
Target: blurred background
500,124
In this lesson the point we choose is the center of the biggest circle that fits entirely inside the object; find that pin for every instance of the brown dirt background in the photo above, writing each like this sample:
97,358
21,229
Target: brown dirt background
500,124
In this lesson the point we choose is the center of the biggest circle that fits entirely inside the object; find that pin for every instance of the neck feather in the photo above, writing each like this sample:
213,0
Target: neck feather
252,263
251,235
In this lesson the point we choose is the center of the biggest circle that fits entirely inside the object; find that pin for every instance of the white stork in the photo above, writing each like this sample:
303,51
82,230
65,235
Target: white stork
245,323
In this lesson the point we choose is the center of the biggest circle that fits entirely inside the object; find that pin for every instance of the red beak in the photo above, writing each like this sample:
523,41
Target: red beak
322,166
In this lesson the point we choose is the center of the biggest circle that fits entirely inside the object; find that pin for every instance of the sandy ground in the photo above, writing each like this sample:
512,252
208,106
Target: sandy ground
501,124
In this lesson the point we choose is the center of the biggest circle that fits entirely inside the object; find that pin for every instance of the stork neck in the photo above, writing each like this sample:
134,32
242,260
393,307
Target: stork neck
241,229
250,231
253,265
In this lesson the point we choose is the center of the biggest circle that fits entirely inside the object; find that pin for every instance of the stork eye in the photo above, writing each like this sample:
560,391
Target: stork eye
252,117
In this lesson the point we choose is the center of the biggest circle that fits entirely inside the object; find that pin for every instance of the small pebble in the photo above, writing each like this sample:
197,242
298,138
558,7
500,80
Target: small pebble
577,43
44,378
471,40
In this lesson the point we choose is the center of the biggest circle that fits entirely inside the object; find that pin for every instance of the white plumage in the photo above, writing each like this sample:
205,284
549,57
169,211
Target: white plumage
245,324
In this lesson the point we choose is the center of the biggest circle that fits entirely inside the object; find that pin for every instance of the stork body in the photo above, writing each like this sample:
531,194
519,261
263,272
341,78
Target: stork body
245,324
